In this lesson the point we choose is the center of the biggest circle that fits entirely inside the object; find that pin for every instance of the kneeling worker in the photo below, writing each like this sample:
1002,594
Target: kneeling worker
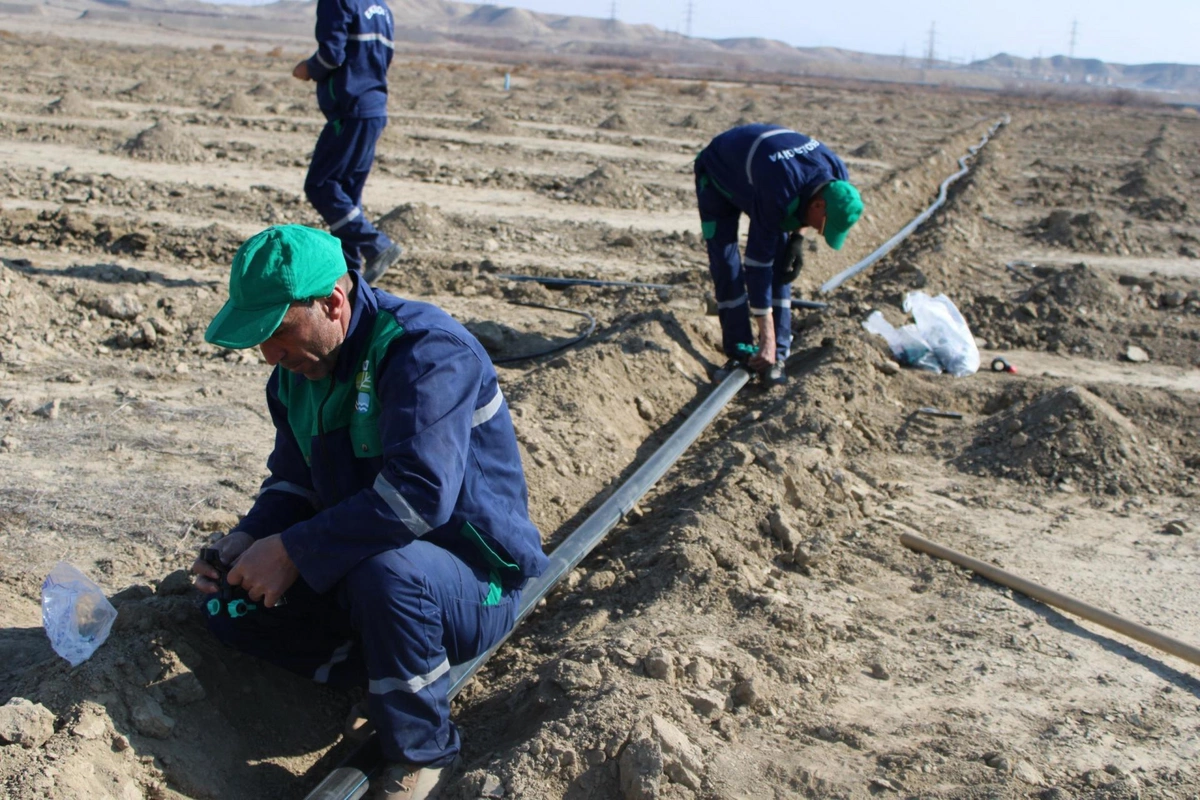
783,181
395,515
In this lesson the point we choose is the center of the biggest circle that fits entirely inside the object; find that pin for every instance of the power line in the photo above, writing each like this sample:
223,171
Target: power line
930,52
688,26
1074,31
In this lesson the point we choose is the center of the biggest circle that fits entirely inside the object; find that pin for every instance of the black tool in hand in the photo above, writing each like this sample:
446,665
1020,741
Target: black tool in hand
229,599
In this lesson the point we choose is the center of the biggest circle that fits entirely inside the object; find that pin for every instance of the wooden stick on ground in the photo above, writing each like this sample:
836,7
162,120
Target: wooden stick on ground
1052,598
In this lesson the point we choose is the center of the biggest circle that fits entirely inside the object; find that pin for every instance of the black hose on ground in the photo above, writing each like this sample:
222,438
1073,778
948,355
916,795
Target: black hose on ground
556,348
550,281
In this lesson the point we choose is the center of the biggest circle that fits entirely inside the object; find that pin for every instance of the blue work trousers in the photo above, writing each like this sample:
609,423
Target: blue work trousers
719,223
396,623
340,164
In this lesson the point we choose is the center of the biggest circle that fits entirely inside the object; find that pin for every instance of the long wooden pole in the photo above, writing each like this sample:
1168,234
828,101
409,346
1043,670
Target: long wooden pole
1052,598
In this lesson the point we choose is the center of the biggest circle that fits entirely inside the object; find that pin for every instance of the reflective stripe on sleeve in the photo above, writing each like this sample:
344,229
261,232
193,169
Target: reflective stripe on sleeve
759,312
410,685
291,488
782,302
482,415
751,262
325,63
396,502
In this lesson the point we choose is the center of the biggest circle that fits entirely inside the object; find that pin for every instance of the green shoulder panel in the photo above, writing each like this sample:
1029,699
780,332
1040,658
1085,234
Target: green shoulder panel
321,407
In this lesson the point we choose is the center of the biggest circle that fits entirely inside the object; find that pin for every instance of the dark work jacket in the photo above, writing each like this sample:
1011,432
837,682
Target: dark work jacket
770,173
354,50
410,437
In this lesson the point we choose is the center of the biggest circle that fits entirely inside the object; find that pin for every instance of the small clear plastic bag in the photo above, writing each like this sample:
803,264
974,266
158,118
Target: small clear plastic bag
75,613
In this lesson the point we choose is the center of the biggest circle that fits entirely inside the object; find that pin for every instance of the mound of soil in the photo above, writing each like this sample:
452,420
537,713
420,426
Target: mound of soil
71,104
614,122
263,91
166,141
689,122
237,103
415,221
1071,438
1087,231
492,123
148,89
870,149
608,185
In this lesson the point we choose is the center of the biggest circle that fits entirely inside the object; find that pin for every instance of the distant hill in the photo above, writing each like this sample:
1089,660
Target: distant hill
1177,77
446,25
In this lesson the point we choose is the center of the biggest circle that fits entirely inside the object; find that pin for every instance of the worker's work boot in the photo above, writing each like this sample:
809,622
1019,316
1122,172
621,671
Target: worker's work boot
409,782
381,261
776,375
358,727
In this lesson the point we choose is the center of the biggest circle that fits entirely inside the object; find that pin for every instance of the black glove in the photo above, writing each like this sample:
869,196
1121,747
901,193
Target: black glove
793,258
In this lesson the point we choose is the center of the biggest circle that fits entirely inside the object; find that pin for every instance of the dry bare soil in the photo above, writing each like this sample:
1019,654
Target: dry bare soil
754,629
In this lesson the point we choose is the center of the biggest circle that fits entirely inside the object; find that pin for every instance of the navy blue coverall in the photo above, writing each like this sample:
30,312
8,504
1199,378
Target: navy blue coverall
768,173
397,487
354,50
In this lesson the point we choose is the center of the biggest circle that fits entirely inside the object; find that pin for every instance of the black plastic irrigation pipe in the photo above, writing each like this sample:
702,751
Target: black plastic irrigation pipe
350,780
550,281
562,345
848,273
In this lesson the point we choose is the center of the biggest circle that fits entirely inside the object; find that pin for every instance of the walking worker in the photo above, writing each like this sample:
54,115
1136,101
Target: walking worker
354,50
395,515
783,181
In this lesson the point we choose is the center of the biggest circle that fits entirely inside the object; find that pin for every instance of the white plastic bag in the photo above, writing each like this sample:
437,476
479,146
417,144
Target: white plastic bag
939,339
75,613
941,325
907,345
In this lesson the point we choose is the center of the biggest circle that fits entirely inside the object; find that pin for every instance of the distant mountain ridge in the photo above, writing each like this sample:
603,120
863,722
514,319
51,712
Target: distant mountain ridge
446,23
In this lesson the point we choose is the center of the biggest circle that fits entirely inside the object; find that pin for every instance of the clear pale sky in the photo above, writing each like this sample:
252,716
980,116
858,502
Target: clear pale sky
1139,32
1119,31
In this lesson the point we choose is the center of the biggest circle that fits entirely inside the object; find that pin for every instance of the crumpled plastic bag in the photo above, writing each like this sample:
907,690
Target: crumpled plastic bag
75,613
939,339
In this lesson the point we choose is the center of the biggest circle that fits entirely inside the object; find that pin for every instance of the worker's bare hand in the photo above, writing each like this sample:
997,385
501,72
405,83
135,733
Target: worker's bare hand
230,546
265,571
765,356
300,72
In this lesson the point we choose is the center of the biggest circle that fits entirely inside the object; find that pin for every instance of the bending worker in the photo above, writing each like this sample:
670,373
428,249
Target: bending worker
354,50
395,515
783,181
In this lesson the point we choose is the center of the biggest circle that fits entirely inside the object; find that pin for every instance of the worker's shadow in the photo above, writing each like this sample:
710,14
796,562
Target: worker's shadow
1178,679
102,272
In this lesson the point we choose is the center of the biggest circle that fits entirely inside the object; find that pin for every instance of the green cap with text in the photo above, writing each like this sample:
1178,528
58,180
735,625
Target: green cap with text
272,270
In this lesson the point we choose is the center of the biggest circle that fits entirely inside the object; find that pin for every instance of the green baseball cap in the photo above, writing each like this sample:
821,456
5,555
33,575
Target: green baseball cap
272,270
843,207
